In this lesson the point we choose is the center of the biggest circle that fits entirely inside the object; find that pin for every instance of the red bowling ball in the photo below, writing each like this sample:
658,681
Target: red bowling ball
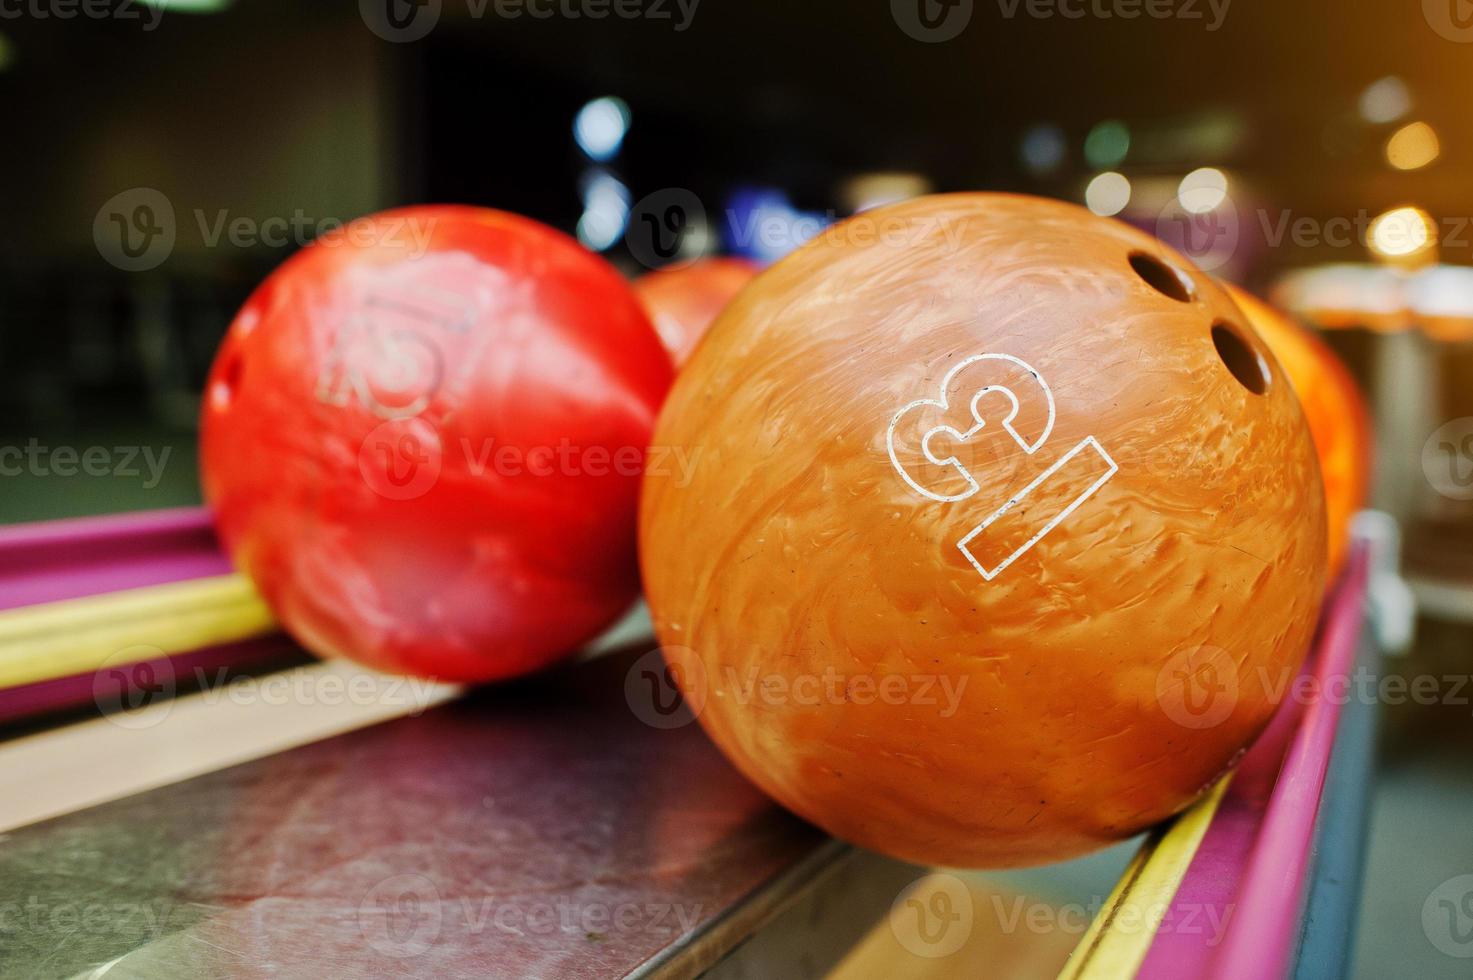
423,441
682,301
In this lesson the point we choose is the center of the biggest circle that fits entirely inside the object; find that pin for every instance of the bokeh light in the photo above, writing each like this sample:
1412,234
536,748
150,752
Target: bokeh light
1412,146
1042,149
1385,100
600,127
1202,190
1108,193
605,210
1107,144
1402,234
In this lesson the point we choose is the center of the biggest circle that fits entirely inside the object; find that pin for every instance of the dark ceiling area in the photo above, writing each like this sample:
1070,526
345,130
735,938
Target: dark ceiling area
805,90
268,108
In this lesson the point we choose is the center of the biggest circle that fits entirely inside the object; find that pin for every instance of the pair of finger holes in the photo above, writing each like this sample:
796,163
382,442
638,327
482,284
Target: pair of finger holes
1236,354
1167,280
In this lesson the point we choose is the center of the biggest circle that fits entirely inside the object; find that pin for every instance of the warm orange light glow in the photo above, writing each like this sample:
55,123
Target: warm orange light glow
1403,236
1412,146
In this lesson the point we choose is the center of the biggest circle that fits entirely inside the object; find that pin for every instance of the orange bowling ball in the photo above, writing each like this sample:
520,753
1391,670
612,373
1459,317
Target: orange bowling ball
1003,531
1337,414
683,300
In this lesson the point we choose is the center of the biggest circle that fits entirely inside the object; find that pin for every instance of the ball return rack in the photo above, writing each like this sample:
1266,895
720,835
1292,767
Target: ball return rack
169,816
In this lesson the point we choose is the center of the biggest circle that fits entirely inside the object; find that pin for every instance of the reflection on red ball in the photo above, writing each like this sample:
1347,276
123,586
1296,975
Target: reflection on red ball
1005,537
683,301
422,440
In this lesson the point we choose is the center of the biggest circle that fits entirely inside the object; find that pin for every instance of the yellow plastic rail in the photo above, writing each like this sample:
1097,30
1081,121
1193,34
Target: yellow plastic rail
1118,939
78,636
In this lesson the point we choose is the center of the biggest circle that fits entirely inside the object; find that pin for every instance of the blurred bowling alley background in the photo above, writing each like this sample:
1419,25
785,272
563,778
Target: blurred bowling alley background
162,159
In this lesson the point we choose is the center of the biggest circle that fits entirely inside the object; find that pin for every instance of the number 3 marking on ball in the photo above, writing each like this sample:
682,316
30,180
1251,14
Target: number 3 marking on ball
1028,422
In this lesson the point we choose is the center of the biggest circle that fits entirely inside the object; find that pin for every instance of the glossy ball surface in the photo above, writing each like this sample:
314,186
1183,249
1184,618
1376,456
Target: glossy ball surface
422,440
1333,405
684,300
1003,531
